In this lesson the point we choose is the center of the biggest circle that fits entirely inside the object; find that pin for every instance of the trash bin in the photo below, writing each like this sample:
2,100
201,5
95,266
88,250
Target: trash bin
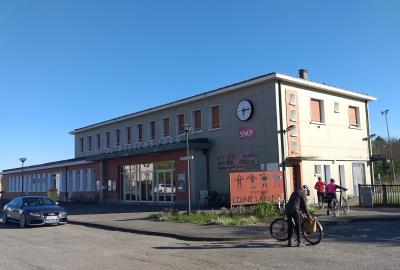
366,197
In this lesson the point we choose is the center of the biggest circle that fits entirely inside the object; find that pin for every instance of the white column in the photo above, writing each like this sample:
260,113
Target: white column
89,180
72,182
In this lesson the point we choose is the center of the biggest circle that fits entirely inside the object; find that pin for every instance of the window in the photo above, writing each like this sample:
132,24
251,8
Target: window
336,107
197,120
293,115
293,132
317,112
166,126
89,143
108,139
140,132
317,169
117,137
181,124
152,129
98,141
292,99
81,144
293,147
128,135
215,117
354,117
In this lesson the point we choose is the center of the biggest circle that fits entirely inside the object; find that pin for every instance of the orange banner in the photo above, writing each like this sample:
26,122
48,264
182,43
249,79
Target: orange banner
255,187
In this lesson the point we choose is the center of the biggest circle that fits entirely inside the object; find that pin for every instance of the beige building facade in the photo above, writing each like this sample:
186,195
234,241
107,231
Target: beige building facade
271,122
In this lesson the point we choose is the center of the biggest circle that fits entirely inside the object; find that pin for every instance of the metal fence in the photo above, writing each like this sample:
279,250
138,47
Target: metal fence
382,195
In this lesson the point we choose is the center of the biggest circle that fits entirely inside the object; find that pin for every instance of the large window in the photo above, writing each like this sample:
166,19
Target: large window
180,119
317,111
197,120
166,127
140,132
354,116
215,117
152,130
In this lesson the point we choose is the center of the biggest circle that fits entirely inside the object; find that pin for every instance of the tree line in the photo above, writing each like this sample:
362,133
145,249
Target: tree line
381,152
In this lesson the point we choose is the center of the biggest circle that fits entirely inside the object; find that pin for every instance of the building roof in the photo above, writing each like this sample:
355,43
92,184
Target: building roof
49,165
263,78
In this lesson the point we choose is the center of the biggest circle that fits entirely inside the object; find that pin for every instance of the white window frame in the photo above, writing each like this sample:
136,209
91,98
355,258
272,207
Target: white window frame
116,137
81,144
294,132
127,142
358,125
210,128
295,115
89,143
137,132
193,120
292,148
98,141
336,107
107,145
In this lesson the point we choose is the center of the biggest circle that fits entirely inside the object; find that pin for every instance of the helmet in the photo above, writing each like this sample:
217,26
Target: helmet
306,189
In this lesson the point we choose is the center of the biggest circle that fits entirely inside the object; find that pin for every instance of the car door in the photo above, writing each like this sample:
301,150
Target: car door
9,209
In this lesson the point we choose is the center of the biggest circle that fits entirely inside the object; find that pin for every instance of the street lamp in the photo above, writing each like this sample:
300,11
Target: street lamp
22,174
393,175
187,129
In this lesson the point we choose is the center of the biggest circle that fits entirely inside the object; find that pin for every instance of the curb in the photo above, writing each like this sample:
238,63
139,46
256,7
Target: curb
357,220
165,234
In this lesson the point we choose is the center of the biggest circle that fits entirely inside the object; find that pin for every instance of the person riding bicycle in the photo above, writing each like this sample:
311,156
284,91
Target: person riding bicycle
331,193
296,205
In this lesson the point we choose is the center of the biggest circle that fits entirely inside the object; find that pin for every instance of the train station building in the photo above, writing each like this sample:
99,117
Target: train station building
273,122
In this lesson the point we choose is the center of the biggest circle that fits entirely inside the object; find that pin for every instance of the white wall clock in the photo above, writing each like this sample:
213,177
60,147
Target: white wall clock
244,110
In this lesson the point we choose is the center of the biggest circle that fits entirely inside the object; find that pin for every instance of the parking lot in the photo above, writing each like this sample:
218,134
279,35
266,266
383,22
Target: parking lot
78,247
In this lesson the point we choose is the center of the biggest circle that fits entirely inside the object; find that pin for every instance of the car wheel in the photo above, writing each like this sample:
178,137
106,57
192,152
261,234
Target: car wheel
22,221
5,221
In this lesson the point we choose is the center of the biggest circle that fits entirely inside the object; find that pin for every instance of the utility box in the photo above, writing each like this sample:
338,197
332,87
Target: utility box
366,197
52,194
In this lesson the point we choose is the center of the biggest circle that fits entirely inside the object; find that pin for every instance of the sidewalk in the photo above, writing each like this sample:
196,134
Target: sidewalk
132,218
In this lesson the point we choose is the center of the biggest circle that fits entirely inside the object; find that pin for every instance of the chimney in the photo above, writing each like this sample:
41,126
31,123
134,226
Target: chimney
303,73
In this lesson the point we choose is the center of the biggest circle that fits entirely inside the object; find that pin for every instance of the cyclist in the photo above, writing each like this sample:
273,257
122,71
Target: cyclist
331,193
296,205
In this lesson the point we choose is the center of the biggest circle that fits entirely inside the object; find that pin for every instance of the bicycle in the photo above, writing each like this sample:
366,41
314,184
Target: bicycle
340,205
279,230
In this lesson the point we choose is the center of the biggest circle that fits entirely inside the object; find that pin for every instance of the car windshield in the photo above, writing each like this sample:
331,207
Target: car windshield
37,201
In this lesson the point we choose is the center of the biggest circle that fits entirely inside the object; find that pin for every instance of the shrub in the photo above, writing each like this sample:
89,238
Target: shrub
265,209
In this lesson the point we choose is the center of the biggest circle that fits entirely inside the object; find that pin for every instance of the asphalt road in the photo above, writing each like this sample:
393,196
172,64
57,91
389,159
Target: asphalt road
76,247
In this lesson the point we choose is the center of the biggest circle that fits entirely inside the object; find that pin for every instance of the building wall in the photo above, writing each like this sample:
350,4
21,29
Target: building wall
225,140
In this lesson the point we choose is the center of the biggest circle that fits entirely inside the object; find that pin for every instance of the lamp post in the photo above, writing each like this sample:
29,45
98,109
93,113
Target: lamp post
187,129
393,175
22,175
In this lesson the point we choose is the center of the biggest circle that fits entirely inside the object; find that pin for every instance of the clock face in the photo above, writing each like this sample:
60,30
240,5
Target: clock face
244,110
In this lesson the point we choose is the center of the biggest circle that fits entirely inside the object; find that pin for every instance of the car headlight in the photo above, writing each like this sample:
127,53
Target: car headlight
62,213
35,214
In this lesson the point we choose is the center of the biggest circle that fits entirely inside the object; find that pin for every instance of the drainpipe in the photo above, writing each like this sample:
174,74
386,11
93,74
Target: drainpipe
371,166
282,134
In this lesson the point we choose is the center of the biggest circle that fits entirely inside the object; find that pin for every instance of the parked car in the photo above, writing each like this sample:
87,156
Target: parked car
33,210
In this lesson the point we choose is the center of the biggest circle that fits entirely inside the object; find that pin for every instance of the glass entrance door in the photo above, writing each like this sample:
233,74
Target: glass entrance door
147,187
165,186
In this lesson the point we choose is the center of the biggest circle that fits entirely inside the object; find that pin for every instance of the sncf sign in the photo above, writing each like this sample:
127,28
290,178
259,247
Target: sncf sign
246,132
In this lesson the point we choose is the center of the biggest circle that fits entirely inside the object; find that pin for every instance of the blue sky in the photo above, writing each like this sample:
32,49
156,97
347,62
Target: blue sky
67,64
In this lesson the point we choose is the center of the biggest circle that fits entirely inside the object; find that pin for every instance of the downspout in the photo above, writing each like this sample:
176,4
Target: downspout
282,133
371,166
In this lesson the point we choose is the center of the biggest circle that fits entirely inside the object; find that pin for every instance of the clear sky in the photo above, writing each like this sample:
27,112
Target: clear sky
66,64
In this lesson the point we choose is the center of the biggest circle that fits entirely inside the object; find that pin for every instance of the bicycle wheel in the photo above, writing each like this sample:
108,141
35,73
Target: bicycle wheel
279,229
312,237
335,207
345,206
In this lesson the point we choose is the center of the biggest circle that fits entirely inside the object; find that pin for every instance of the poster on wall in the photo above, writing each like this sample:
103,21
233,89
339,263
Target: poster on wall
255,187
238,162
181,182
